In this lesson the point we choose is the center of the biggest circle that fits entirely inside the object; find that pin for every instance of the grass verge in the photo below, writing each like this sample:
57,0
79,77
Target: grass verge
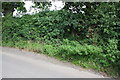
62,53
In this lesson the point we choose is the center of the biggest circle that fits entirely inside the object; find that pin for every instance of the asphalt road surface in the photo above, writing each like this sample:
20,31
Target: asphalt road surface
23,64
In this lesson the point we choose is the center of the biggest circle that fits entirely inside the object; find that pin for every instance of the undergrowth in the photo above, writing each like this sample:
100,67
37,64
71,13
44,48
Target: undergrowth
86,56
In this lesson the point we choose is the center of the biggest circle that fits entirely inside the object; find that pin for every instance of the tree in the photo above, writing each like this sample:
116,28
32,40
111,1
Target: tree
42,5
8,7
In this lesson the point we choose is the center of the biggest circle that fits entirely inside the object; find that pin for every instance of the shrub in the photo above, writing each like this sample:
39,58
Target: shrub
71,48
50,50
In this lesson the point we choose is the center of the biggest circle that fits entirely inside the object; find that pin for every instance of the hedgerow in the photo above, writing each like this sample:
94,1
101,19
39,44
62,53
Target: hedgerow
73,36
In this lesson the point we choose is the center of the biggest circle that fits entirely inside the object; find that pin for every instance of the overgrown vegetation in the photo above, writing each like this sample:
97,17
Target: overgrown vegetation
89,39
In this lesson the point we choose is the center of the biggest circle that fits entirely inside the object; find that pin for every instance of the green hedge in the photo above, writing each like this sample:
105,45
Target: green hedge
70,35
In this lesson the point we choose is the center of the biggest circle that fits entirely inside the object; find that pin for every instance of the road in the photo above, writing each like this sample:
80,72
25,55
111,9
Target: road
23,64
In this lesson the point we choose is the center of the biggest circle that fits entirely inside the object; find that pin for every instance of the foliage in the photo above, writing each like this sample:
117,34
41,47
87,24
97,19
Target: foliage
8,7
112,54
43,5
76,37
50,50
74,48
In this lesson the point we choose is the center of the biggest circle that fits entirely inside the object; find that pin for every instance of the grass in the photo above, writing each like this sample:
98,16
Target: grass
50,50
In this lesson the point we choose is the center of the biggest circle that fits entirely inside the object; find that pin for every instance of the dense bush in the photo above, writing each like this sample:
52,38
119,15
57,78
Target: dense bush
72,48
90,35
